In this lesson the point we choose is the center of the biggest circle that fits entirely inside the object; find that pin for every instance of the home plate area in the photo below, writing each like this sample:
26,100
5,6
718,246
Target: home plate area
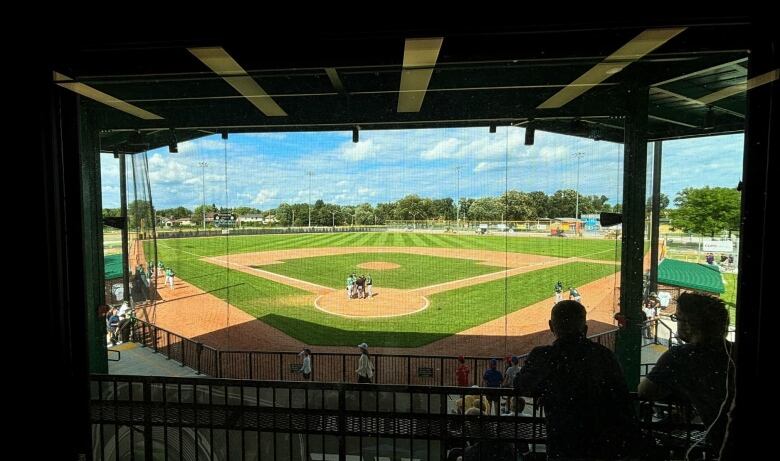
386,302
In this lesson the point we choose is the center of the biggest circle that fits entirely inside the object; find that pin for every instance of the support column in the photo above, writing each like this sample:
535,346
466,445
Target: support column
629,339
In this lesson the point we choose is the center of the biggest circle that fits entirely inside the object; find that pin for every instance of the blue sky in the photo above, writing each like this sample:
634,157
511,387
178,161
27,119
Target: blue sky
266,169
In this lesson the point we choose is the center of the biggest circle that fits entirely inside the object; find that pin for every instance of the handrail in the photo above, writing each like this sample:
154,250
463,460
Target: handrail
407,369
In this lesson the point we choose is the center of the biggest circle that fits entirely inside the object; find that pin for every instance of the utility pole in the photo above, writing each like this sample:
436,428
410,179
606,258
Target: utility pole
203,165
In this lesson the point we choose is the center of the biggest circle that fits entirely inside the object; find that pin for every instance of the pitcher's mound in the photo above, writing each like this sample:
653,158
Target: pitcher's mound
387,302
378,265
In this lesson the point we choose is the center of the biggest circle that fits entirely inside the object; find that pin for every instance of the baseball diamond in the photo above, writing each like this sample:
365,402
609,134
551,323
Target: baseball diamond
286,291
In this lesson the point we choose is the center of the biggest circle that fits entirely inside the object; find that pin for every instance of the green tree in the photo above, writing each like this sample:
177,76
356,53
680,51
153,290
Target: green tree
518,205
486,209
662,205
111,212
197,214
139,214
707,211
245,210
465,204
562,204
540,204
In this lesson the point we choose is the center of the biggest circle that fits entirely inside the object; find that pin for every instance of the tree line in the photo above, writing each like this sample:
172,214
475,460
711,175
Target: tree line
702,211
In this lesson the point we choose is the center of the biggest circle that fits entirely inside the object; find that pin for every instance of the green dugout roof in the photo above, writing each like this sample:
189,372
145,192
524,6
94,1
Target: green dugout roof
112,266
700,277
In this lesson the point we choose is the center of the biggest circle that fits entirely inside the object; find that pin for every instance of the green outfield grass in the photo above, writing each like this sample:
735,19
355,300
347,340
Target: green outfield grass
291,310
600,249
730,295
416,271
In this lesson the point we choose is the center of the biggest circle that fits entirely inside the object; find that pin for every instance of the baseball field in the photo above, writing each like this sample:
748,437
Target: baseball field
276,291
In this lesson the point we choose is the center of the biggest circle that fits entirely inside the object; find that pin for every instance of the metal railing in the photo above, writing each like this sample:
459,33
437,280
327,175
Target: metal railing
138,417
430,370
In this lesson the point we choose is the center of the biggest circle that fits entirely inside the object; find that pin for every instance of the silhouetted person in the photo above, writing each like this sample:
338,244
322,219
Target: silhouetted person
582,389
697,371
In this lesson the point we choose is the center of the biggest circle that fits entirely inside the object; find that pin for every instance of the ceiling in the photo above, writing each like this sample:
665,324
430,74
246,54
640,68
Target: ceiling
695,80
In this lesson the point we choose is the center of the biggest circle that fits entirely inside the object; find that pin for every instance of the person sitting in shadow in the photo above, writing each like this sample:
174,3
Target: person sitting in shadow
579,383
701,371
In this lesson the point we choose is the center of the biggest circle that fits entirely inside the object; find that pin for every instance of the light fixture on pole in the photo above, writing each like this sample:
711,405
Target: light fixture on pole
457,204
579,155
203,165
310,174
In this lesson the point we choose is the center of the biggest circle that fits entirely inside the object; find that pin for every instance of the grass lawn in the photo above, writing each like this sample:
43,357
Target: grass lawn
730,295
292,311
600,249
416,270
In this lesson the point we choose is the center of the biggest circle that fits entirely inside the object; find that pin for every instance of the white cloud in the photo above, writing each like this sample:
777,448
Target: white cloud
264,196
446,148
356,151
488,166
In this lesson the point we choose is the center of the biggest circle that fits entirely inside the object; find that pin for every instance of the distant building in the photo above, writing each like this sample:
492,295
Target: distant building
251,218
183,222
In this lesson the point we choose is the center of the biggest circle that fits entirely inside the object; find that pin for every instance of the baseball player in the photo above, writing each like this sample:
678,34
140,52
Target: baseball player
558,292
169,277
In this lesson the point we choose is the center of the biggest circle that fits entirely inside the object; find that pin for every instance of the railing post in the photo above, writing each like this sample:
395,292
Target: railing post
249,357
342,430
343,368
154,333
198,352
168,345
218,355
281,368
147,392
441,371
408,370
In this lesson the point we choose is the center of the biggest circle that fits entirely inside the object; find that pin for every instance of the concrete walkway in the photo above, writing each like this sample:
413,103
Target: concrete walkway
137,360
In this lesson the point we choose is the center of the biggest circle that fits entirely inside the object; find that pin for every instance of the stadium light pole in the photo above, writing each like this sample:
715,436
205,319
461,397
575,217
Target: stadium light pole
203,165
457,204
414,217
310,174
577,190
333,213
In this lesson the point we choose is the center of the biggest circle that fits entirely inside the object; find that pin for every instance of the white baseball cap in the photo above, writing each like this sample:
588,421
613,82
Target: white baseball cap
363,346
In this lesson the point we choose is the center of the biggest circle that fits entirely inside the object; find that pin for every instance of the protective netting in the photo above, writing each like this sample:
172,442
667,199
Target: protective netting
436,241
